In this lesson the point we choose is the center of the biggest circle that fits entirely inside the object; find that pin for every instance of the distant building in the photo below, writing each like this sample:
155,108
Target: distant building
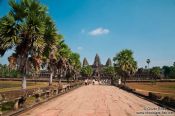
97,66
85,62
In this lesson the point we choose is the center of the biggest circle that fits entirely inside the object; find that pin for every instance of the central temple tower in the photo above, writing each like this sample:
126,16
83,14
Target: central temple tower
97,67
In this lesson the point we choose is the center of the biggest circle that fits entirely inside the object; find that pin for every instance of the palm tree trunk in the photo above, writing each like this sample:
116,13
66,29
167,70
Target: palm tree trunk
61,75
124,80
51,79
24,82
60,81
24,70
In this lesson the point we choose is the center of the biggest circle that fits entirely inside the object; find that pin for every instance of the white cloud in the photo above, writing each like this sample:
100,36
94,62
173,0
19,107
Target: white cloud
79,48
99,31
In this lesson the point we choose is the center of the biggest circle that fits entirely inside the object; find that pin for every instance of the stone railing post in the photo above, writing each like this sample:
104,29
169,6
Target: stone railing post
1,100
37,97
16,105
19,102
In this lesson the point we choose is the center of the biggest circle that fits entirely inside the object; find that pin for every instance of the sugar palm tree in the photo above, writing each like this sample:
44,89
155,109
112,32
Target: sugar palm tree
148,62
50,51
63,64
125,63
74,61
24,29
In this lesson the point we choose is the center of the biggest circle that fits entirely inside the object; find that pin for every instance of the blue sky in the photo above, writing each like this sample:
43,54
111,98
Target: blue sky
108,26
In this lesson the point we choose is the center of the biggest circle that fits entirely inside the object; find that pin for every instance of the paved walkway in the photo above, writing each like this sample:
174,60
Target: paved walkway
96,100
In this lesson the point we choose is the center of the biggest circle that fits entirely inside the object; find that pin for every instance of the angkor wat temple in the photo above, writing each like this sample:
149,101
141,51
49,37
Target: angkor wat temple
97,66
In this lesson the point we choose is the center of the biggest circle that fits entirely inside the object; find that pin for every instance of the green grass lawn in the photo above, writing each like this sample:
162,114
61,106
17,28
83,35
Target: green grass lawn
15,85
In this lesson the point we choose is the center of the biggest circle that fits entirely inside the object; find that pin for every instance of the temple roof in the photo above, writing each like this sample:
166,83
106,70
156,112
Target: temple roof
85,62
97,61
109,62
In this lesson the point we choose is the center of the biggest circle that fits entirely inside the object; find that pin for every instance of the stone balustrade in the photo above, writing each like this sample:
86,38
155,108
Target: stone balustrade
22,99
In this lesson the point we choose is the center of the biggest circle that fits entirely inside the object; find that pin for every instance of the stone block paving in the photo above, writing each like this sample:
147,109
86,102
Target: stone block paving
98,100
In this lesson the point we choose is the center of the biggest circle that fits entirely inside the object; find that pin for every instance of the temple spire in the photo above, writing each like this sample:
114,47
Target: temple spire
97,61
85,62
109,62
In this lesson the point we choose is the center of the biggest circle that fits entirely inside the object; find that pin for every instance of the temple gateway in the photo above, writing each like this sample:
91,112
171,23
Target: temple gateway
97,66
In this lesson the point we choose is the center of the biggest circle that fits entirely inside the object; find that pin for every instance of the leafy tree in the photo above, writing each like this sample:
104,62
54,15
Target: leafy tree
166,71
86,71
1,65
109,72
169,71
155,72
140,70
172,72
125,64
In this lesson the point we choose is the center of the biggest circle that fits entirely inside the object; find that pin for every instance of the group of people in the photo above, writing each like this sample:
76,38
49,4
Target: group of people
97,82
90,81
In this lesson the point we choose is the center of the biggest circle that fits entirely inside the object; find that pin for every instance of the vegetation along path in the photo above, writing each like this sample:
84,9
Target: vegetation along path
96,100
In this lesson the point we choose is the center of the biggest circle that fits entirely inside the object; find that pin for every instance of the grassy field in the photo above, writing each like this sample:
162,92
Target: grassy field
15,85
162,88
